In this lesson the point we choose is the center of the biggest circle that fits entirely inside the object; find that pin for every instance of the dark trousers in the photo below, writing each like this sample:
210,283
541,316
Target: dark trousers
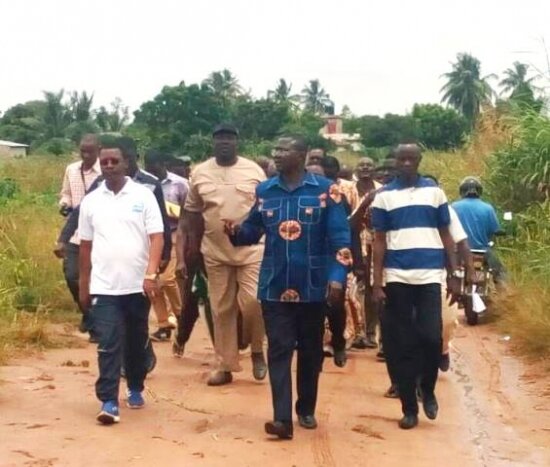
291,326
120,323
70,269
413,328
389,343
337,324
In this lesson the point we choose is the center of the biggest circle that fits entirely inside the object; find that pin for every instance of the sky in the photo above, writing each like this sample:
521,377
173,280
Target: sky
374,56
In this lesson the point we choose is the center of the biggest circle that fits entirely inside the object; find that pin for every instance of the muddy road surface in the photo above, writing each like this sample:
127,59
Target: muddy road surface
494,411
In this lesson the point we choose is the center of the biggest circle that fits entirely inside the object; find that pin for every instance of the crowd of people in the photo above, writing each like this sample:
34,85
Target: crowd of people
314,256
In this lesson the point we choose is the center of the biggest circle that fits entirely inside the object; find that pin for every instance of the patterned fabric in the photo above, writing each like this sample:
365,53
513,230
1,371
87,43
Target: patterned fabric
349,191
307,238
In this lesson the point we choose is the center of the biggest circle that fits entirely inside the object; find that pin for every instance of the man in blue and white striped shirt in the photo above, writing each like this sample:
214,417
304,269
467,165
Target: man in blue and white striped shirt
412,247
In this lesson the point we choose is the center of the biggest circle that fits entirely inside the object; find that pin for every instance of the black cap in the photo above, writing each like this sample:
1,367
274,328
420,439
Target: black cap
225,128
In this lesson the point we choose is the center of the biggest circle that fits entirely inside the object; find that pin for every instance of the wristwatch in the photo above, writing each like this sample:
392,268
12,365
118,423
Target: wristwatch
458,274
151,277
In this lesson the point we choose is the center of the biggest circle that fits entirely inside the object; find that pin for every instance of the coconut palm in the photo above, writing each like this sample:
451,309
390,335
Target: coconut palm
314,98
466,90
224,84
282,93
516,81
81,106
56,115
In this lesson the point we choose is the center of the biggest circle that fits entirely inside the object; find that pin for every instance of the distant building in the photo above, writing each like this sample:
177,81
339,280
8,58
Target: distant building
333,131
11,149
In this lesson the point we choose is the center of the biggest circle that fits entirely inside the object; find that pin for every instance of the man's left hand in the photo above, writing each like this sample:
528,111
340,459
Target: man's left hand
151,288
335,293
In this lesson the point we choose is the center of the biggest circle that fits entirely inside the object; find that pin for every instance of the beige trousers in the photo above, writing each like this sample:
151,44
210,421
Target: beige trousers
234,288
168,302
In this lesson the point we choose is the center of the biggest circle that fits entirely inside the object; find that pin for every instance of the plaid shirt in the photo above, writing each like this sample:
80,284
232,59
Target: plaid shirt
76,183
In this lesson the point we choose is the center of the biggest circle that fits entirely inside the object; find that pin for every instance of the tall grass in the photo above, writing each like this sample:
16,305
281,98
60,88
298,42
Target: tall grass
511,156
32,288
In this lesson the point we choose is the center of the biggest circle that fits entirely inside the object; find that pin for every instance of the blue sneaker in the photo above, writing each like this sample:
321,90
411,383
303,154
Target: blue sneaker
109,413
135,399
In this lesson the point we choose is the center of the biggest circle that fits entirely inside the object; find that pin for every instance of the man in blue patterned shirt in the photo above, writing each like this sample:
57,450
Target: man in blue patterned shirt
306,260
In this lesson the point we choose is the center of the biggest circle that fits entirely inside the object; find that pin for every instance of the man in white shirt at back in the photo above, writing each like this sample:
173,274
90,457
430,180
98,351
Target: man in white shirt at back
121,233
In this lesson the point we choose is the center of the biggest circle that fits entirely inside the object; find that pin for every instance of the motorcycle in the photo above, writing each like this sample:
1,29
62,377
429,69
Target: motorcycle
476,292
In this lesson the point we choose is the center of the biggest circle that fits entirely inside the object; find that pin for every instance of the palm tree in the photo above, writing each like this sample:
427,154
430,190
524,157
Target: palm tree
224,84
314,98
282,93
56,114
81,106
516,82
466,90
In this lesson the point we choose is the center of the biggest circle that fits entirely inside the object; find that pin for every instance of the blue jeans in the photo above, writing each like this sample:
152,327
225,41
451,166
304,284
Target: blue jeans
289,327
121,325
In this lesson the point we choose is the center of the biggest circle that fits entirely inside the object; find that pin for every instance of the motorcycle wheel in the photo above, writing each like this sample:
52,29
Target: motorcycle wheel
471,315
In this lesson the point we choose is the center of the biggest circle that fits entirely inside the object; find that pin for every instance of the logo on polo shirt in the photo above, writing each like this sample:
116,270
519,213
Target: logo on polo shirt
137,207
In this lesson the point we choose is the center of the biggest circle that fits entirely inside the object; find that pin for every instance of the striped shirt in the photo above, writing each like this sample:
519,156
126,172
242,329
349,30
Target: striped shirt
411,217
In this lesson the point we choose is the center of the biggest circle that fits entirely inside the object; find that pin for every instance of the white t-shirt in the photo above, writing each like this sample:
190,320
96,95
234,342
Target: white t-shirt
119,227
455,227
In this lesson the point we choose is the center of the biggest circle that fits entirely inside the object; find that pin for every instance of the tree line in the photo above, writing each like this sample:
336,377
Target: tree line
179,118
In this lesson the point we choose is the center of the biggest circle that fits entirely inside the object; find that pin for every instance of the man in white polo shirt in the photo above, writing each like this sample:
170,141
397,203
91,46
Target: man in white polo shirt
121,232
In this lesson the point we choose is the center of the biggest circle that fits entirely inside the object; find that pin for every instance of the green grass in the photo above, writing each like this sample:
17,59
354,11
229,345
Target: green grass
32,288
33,292
523,312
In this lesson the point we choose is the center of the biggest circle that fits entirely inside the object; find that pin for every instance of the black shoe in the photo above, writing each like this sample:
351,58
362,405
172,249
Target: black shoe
177,349
408,422
444,362
283,430
307,421
392,392
259,367
431,407
161,335
219,378
371,343
360,342
340,358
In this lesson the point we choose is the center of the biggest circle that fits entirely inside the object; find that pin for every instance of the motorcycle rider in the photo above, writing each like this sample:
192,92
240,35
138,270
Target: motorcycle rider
480,222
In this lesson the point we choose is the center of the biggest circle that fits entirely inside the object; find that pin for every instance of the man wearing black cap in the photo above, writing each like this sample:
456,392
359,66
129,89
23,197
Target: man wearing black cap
224,187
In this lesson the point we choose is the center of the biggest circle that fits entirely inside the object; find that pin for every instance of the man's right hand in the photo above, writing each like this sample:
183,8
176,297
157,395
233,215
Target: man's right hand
378,294
59,250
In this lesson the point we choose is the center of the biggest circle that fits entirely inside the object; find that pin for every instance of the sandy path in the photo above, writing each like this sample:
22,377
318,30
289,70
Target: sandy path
494,412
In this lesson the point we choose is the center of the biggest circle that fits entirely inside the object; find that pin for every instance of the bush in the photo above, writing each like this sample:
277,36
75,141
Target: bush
56,146
519,173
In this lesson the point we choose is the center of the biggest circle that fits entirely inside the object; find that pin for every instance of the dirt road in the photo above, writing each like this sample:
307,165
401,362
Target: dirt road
494,412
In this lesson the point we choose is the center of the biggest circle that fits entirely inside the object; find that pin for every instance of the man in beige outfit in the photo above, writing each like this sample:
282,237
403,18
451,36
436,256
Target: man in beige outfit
221,188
